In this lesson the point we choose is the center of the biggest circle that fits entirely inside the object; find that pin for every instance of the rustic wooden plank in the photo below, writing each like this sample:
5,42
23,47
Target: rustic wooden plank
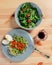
7,8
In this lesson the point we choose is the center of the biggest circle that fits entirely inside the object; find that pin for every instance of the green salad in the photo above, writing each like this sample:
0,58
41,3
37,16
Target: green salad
18,45
28,15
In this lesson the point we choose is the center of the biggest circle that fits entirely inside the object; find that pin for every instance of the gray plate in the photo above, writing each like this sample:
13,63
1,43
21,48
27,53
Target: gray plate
29,49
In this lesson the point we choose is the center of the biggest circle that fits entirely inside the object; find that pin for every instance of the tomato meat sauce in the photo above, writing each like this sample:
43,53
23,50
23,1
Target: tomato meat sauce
17,45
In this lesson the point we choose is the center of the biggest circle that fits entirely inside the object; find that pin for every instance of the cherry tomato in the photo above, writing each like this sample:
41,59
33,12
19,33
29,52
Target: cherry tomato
28,21
40,63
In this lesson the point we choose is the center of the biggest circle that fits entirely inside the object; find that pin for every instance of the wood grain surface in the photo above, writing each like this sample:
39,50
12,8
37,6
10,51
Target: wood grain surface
7,8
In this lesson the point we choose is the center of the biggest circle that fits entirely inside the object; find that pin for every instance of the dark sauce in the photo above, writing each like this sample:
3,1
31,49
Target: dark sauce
41,35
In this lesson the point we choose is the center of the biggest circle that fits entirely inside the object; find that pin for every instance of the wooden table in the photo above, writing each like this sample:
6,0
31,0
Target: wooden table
7,8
